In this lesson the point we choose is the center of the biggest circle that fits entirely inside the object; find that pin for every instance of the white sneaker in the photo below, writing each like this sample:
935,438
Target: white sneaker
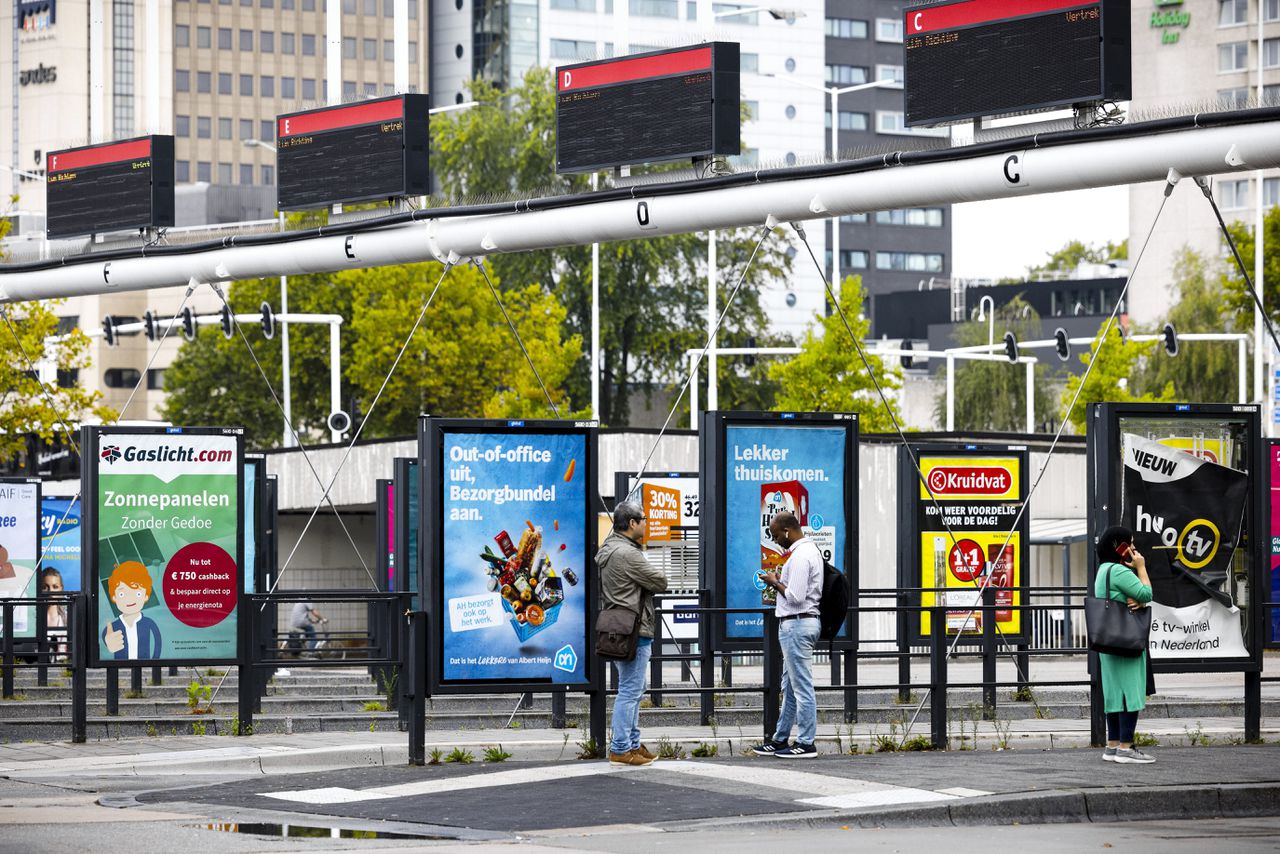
1133,756
1109,754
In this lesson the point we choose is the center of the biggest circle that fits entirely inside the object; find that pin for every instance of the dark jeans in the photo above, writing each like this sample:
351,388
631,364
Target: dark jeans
309,631
1121,725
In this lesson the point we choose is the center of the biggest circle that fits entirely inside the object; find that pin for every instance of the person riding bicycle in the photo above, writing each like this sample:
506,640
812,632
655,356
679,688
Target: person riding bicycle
303,619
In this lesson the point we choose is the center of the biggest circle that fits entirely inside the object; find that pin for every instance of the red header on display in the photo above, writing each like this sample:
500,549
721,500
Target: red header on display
336,118
98,155
952,16
636,68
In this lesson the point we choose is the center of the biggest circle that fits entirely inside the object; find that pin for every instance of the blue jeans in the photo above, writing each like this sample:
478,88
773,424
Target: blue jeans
626,706
798,638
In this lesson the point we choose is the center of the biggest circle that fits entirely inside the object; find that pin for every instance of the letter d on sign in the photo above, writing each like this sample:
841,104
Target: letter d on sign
568,79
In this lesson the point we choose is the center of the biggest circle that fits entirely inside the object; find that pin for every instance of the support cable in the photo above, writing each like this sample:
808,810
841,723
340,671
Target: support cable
555,409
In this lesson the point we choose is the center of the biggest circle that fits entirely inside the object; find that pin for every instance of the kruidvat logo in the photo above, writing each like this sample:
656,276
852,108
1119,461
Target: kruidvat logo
111,453
970,480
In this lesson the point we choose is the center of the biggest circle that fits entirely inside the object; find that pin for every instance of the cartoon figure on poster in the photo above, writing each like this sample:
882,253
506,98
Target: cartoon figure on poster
1186,514
132,635
514,604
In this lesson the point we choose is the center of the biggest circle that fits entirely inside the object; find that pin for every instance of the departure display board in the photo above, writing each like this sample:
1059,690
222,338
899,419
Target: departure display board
975,58
353,153
648,108
110,187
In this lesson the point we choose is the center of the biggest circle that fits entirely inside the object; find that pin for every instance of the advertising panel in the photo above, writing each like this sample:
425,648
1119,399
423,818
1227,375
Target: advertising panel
166,532
19,550
1273,452
59,552
1186,515
766,464
510,550
251,515
406,489
962,525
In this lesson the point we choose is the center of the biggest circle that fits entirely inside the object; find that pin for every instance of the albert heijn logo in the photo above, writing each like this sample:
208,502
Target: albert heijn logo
566,659
982,481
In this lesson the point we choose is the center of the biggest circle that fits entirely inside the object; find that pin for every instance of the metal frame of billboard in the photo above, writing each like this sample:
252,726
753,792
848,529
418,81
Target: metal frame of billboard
1104,481
711,490
382,546
909,557
405,474
90,437
431,432
258,520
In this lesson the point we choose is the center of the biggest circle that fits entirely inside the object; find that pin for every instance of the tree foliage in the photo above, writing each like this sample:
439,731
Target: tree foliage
829,376
1118,363
1075,252
1237,302
992,396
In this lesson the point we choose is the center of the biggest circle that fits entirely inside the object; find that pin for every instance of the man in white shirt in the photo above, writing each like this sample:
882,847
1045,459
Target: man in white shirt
799,589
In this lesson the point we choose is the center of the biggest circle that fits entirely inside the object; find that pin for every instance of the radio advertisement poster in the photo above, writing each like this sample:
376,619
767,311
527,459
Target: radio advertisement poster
168,542
514,544
19,551
771,470
1186,515
60,542
965,518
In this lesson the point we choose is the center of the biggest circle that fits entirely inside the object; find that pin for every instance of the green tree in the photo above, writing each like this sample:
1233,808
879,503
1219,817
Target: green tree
828,375
992,396
652,292
1118,362
1075,252
1238,303
1203,371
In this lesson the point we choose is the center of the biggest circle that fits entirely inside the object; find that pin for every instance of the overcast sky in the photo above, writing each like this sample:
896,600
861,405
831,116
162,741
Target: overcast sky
1004,237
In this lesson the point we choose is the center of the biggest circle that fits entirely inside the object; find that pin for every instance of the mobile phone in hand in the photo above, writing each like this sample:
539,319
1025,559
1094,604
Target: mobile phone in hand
1124,550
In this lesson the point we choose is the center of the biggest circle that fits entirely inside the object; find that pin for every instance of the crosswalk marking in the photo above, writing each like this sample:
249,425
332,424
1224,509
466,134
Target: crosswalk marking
883,798
773,777
962,792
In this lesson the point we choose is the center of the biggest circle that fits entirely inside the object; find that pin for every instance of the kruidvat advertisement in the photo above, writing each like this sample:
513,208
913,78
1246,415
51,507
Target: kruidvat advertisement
19,555
168,531
770,470
60,543
965,518
1186,514
1274,617
514,538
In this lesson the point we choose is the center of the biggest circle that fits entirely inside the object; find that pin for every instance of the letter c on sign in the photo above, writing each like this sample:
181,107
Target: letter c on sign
349,247
1011,171
568,79
915,21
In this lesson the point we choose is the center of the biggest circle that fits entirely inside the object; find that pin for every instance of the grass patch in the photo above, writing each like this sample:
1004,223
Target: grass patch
197,727
668,749
134,695
496,754
374,706
918,743
437,755
460,756
1023,695
1196,737
588,749
705,751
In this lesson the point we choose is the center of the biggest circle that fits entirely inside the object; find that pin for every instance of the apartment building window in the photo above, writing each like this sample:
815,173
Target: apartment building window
655,8
155,379
224,131
1271,53
267,42
888,121
370,49
574,5
182,171
204,127
846,74
181,80
224,173
246,173
122,67
204,171
224,83
916,262
1271,94
846,28
246,39
182,36
852,259
268,175
246,128
266,129
388,8
1233,56
308,5
922,217
849,120
204,82
892,73
413,53
1233,195
348,7
182,125
348,90
267,86
287,43
370,8
287,4
224,38
1233,99
1232,12
246,85
121,377
572,49
288,87
308,89
413,10
749,63
889,30
853,219
1271,10
749,19
204,37
267,4
1270,192
388,50
308,44
348,48
752,110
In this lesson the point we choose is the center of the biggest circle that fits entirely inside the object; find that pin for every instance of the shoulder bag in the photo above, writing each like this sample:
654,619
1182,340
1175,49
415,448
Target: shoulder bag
618,631
1113,628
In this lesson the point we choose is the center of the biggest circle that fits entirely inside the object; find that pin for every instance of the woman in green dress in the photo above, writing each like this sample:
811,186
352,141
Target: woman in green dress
1122,576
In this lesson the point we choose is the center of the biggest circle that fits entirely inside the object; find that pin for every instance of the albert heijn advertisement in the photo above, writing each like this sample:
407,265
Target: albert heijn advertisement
765,464
966,500
20,550
164,519
509,551
1186,514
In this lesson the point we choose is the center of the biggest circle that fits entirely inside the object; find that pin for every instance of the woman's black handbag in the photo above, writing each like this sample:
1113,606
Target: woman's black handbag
1113,628
618,632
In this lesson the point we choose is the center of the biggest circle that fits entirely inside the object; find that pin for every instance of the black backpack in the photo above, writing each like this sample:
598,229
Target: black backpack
833,607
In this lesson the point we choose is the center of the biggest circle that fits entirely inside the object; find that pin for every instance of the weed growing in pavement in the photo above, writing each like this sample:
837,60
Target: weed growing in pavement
1025,694
134,695
373,726
515,724
668,749
436,756
705,751
886,743
910,699
563,744
68,673
388,685
197,727
212,671
235,727
151,730
196,693
1142,739
917,743
1196,737
496,754
588,749
374,706
462,757
1001,728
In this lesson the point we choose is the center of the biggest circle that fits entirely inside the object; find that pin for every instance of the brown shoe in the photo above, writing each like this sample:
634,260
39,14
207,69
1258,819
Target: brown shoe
646,753
631,757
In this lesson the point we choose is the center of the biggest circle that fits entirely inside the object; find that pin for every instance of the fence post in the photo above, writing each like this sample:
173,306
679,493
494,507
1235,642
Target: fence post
772,673
655,663
596,706
6,683
417,661
113,690
246,690
938,677
156,676
851,668
43,646
558,713
1252,706
77,617
1097,718
903,615
706,661
135,680
1024,669
988,612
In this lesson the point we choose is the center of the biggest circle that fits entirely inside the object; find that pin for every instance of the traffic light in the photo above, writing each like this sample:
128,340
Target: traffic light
228,328
188,324
268,321
906,359
1011,347
109,331
1061,343
149,325
1170,336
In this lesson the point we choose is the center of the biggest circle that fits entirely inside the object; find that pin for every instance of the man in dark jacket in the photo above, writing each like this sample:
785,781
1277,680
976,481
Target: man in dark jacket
628,580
